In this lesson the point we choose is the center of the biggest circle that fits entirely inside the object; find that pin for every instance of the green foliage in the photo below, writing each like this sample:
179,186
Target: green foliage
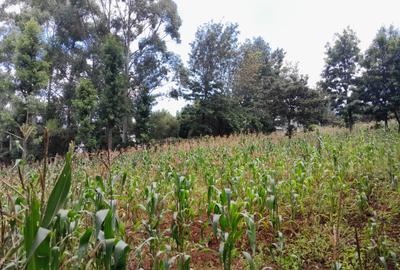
30,68
244,199
163,125
380,78
113,95
85,104
340,75
182,217
294,102
258,68
227,225
143,103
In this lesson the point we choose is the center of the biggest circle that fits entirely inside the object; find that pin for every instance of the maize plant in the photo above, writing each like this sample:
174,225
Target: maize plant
251,233
154,208
227,225
256,201
272,204
182,217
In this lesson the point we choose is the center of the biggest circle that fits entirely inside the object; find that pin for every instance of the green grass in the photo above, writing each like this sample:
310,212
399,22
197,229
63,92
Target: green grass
325,199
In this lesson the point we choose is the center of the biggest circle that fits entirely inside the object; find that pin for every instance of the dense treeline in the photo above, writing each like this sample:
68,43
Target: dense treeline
87,71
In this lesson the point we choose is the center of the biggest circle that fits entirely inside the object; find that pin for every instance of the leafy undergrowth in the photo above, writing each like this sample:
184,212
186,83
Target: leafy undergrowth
323,200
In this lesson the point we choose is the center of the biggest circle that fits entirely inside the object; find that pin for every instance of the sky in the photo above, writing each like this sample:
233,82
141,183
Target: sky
300,27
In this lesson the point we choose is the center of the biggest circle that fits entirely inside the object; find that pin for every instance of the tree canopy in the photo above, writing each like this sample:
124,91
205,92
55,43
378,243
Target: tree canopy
91,71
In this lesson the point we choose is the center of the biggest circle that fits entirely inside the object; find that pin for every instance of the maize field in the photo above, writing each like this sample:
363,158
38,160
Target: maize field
327,199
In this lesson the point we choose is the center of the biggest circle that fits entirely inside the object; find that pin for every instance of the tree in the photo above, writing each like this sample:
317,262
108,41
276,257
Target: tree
163,125
259,66
340,75
143,26
113,92
381,83
31,71
212,63
84,107
143,103
292,102
212,60
31,75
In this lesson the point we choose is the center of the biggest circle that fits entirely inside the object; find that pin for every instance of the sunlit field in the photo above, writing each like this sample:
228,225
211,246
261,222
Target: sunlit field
326,199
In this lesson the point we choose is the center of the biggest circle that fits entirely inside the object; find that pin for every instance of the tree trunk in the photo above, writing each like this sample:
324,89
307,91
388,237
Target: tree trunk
386,123
396,114
289,128
109,139
351,121
49,96
124,129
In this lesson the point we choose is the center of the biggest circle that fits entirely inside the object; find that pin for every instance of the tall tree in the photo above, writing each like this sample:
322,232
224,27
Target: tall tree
143,103
292,102
85,106
31,75
381,83
144,27
212,60
258,68
340,75
113,91
212,63
31,71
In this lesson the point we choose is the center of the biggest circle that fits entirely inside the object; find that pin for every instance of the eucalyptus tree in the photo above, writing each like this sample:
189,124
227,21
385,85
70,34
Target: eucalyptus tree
208,79
144,27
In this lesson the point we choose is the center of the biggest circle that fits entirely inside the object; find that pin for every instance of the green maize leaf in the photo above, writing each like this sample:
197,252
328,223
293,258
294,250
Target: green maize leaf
100,183
41,236
100,217
108,226
31,227
59,193
84,242
43,254
215,224
109,246
55,258
120,253
183,262
250,260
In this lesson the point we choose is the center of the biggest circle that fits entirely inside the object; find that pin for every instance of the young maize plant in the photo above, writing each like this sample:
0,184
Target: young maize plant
155,210
251,232
227,225
272,204
104,239
378,248
212,192
182,218
364,191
